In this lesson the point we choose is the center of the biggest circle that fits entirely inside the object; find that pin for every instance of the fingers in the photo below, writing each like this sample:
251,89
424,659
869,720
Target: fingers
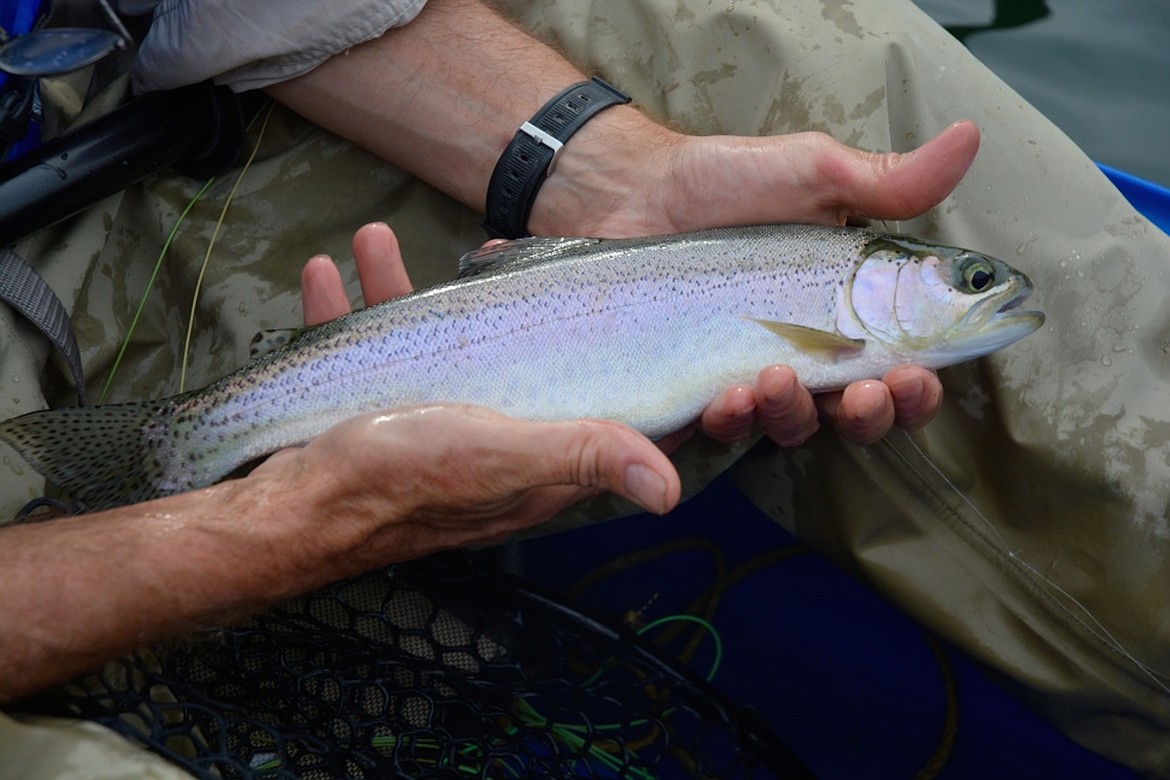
917,395
481,462
598,454
908,396
778,402
786,409
898,186
379,262
731,416
863,412
322,293
380,270
672,441
808,177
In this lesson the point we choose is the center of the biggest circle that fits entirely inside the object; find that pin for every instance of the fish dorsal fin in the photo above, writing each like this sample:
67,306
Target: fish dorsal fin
818,343
521,251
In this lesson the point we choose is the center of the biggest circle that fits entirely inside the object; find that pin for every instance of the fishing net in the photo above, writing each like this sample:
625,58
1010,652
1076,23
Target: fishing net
441,668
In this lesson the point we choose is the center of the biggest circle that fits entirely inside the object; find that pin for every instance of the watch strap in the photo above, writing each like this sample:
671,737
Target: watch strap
531,155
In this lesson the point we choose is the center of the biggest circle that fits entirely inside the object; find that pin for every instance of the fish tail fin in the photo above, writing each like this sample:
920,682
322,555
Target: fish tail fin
103,456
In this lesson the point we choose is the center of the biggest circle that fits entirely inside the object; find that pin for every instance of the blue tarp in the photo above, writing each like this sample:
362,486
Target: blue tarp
847,681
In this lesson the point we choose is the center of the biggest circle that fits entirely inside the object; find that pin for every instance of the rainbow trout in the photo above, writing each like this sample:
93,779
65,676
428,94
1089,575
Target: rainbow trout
642,331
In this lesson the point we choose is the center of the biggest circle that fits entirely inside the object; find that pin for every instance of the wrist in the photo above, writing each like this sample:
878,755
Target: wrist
611,180
531,155
313,522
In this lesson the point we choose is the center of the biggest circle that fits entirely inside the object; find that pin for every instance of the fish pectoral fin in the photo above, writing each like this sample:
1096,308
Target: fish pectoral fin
819,343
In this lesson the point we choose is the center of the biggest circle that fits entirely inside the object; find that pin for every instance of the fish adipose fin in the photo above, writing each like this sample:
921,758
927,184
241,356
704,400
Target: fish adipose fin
520,252
100,455
818,343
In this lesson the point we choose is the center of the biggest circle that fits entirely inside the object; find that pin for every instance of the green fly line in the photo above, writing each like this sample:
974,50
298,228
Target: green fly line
195,199
710,629
149,286
211,247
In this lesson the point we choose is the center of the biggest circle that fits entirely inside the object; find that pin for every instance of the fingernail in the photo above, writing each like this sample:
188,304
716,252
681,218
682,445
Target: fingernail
783,397
866,414
646,487
741,414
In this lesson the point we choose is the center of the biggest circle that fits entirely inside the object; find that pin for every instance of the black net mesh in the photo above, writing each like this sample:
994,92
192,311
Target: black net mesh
434,669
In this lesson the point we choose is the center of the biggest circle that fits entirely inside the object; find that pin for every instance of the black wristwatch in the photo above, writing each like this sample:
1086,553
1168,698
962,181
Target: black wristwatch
531,156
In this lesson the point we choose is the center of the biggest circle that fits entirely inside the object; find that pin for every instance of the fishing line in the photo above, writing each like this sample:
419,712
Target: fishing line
704,605
571,733
198,196
706,625
723,581
211,247
950,729
1094,627
149,286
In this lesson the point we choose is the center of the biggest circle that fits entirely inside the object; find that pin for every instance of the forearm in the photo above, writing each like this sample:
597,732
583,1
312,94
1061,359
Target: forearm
443,96
80,591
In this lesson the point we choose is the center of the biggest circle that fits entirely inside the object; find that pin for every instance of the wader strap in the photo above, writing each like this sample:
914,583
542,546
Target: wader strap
23,289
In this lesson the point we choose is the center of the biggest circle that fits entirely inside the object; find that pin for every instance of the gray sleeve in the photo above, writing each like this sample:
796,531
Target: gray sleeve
248,44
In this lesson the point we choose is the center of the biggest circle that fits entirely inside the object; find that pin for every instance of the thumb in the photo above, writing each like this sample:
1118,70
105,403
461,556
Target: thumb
901,186
612,457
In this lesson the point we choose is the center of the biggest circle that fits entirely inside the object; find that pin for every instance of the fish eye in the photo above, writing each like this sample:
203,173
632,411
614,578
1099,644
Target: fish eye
978,275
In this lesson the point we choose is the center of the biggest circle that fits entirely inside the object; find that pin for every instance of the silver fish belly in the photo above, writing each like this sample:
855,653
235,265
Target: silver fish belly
642,331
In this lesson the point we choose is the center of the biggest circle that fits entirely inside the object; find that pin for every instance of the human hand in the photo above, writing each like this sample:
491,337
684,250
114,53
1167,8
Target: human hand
421,479
680,183
864,412
670,182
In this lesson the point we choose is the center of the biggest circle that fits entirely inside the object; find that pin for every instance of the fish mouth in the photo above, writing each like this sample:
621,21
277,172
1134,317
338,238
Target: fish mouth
1005,308
1017,300
1014,303
995,322
1012,309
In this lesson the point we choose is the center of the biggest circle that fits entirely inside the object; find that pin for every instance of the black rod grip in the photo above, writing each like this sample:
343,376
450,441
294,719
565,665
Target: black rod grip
199,127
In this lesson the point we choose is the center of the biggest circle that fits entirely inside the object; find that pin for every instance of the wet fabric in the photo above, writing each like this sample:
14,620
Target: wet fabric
58,748
1028,524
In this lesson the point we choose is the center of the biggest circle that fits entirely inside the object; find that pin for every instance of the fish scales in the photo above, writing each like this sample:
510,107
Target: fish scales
588,335
641,331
